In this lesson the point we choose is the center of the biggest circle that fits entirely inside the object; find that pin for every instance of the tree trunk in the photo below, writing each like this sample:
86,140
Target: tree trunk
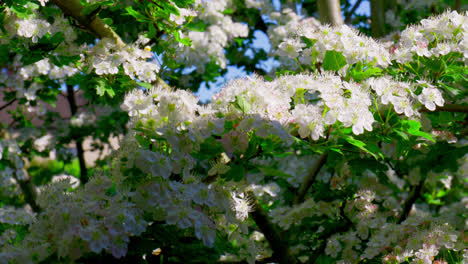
330,12
78,140
377,18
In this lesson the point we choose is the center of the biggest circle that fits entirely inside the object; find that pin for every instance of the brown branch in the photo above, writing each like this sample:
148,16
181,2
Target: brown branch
7,104
94,24
351,12
78,140
29,191
414,195
280,249
310,178
448,108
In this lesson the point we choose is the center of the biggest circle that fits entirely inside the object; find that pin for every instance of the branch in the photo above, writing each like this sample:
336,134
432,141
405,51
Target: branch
415,194
73,8
94,24
351,12
310,178
7,104
29,191
78,140
448,108
273,236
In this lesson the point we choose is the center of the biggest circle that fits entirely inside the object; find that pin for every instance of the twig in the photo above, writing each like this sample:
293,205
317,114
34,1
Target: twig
351,12
280,249
7,104
415,194
310,178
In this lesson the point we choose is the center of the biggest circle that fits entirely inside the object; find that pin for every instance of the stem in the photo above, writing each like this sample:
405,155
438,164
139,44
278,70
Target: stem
78,139
310,178
272,235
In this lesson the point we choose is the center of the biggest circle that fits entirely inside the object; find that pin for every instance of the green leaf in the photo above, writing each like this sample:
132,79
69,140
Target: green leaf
57,38
371,149
145,85
299,96
4,54
88,9
412,127
333,60
185,41
138,16
269,171
236,173
108,21
362,75
209,149
103,88
242,104
309,42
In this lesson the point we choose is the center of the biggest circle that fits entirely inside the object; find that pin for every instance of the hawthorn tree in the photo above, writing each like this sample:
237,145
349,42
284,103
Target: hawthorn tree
351,149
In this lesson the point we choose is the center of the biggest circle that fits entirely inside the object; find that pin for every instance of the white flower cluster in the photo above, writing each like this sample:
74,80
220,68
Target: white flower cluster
401,94
44,67
287,24
354,47
36,28
287,216
15,216
209,44
106,58
435,36
73,223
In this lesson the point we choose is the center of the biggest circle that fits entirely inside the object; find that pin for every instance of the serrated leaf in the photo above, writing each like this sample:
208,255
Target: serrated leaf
333,60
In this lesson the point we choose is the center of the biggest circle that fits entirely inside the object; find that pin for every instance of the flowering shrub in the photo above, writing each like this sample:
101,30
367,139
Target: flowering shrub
354,152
